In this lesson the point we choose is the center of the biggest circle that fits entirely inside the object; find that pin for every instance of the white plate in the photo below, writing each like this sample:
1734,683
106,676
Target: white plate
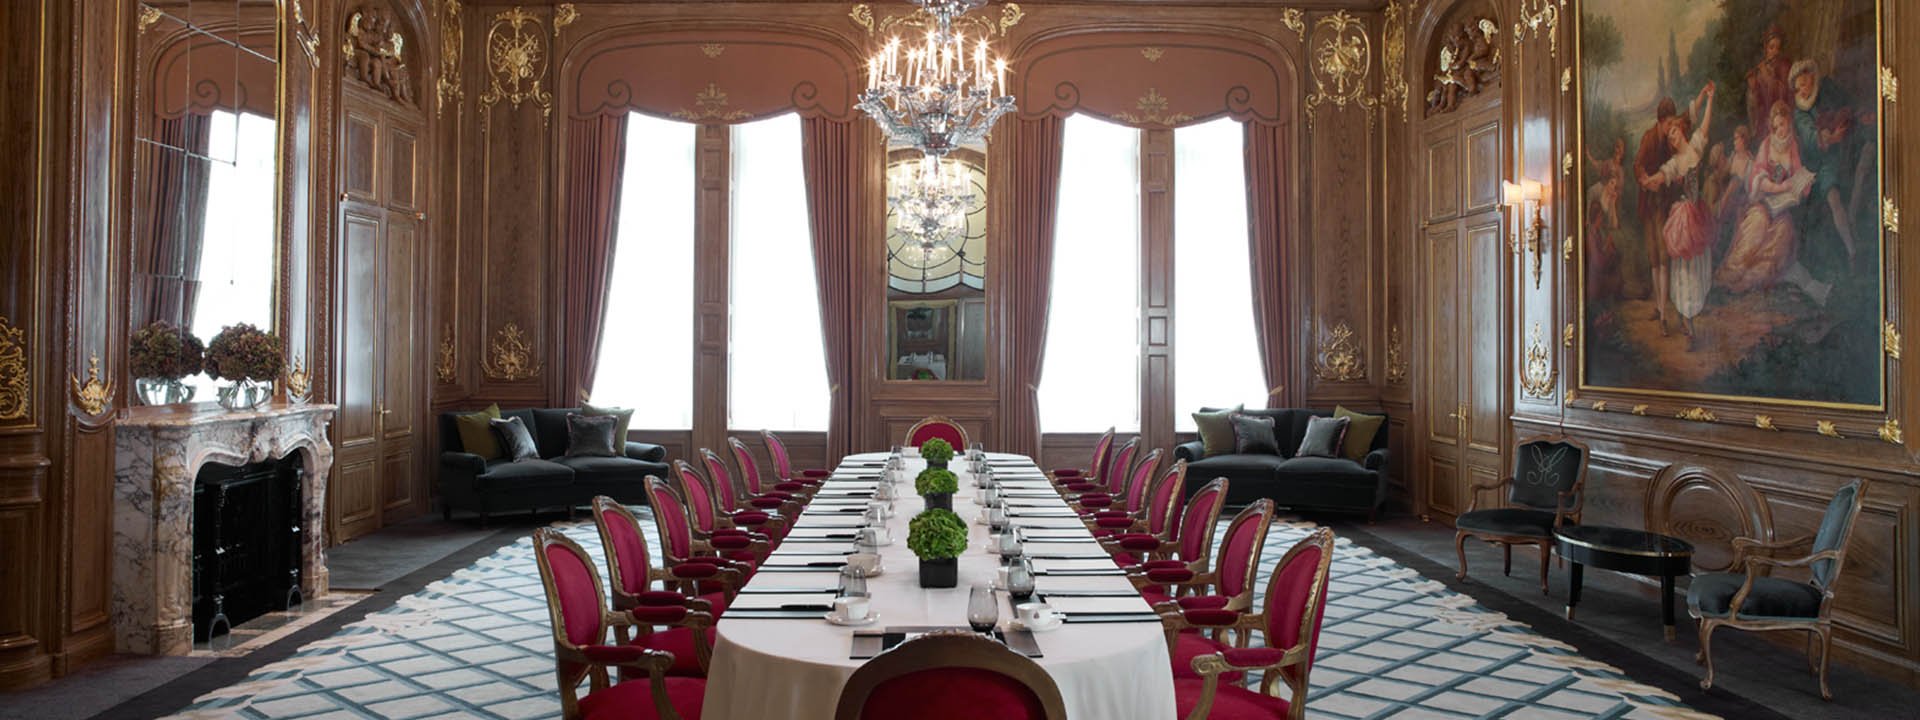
872,615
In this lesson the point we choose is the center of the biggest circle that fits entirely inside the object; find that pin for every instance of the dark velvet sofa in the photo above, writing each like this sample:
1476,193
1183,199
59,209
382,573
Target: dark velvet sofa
1304,483
492,486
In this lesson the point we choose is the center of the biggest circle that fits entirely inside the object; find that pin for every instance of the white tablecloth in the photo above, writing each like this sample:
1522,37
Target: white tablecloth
786,668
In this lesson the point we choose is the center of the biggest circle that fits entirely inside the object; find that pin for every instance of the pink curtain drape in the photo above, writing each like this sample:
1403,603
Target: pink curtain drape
596,156
1268,197
834,154
167,263
1024,261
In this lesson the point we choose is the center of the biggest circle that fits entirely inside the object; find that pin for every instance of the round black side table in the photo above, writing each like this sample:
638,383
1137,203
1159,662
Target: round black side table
1625,550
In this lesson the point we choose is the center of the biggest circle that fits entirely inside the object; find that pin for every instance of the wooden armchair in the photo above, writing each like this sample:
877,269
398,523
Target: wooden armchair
1754,601
693,564
977,678
580,620
938,426
1549,476
1296,601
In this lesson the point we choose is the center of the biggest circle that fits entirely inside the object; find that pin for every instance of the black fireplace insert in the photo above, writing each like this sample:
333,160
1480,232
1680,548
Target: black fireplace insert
246,543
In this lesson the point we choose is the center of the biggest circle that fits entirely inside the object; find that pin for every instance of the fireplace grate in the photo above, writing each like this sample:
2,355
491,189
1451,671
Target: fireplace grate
246,543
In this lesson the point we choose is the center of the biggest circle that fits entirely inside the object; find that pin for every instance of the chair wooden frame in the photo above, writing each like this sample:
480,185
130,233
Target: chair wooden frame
1140,519
730,575
939,420
606,510
757,486
1139,478
736,497
1563,514
1259,511
949,649
1295,662
574,662
782,460
1170,544
1754,558
1101,449
720,518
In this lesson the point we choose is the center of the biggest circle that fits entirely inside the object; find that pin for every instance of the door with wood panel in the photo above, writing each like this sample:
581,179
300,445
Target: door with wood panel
1464,386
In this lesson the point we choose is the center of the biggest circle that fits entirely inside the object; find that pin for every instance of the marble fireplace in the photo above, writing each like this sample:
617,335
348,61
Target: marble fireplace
160,451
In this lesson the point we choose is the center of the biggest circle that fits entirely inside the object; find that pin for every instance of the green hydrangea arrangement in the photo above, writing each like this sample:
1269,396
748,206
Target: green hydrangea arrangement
936,481
165,351
937,535
936,451
244,352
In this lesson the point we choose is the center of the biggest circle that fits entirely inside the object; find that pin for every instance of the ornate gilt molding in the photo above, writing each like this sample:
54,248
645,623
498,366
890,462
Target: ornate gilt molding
1566,80
1397,365
1599,406
1566,249
299,380
16,386
1697,414
1340,358
1889,84
712,50
1537,375
1765,422
444,366
510,357
304,33
1152,54
1342,57
516,63
564,14
1890,340
1153,111
1890,214
1393,57
1826,427
1296,20
1640,410
148,16
94,396
449,88
1566,164
1566,335
1540,17
1890,432
712,105
980,25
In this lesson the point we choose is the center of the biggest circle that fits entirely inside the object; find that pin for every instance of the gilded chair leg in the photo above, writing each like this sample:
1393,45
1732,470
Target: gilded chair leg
1546,559
1706,652
1507,569
1460,549
1826,649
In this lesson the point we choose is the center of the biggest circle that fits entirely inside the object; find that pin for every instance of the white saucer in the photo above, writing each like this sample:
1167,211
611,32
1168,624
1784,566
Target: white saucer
872,615
874,573
1016,624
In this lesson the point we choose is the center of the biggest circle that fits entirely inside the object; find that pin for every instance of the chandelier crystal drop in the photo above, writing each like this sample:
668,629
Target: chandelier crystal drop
939,94
931,200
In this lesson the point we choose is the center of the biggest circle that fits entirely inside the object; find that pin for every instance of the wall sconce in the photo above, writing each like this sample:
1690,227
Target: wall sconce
1528,197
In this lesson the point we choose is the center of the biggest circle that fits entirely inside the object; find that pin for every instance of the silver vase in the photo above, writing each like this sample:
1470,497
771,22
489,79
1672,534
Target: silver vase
162,391
245,395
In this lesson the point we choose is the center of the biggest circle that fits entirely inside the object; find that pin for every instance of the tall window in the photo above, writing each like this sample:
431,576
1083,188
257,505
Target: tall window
1216,359
236,253
776,362
1091,377
646,341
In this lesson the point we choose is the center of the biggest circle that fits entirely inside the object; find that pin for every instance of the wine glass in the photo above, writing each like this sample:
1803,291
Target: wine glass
1020,580
997,517
983,610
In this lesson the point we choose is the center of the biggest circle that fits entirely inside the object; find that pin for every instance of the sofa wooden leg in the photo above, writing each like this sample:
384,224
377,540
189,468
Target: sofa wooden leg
1460,549
1507,550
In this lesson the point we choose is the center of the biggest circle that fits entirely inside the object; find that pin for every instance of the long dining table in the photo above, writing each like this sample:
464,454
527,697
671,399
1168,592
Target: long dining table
1109,658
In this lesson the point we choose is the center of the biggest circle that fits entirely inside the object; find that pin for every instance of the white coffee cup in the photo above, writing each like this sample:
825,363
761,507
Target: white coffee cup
850,608
1035,614
866,562
877,507
869,536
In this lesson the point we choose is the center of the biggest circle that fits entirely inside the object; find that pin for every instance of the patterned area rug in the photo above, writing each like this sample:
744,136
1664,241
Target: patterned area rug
477,645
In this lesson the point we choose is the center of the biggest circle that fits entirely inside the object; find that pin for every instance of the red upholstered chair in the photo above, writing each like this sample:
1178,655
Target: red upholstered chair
1101,449
787,496
950,675
1290,623
1107,481
714,523
692,564
1219,595
734,505
1130,500
1155,522
580,622
1189,549
687,621
938,426
783,462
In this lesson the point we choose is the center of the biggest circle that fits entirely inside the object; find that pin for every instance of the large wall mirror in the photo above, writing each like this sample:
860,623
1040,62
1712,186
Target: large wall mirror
206,184
937,275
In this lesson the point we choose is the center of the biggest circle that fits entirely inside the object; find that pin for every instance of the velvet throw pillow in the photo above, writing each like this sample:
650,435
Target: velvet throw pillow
516,443
1360,431
623,419
591,435
1323,437
475,435
1253,435
1216,430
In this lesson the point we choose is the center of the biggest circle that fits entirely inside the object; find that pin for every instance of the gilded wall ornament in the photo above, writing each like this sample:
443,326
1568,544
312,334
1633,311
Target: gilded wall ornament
443,366
1542,17
1890,214
449,89
711,104
299,381
1537,375
304,34
1566,249
1469,63
1890,432
1889,85
1826,427
1640,410
712,50
1296,20
1340,358
510,357
94,396
1566,80
1890,340
1599,406
16,388
1152,54
1566,164
1697,414
1153,111
375,52
564,14
1566,335
1397,365
981,25
516,64
1393,57
148,16
1342,57
1764,422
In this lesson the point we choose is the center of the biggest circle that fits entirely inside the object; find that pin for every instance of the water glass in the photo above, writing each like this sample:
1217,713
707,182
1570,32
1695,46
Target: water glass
1020,580
997,517
977,450
1010,545
853,582
983,609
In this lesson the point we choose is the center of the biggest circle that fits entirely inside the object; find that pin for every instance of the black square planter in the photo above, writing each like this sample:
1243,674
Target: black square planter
940,573
943,501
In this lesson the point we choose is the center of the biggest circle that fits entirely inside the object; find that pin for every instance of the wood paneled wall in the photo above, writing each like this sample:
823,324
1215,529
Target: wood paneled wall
1647,465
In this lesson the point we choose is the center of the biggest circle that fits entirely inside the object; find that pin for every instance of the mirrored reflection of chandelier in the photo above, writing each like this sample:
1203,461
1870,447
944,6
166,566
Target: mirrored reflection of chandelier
941,94
931,199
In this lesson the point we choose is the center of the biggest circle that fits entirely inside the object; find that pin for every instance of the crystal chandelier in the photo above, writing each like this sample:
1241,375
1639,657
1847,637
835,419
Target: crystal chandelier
937,96
930,201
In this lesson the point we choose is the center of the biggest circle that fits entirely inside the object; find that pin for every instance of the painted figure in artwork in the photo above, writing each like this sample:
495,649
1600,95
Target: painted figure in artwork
1688,232
1767,81
1766,242
1656,199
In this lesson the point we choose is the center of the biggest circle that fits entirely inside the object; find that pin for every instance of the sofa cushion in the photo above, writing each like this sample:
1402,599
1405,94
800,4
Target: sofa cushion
1324,469
1253,435
1323,437
1360,431
550,430
1237,465
1215,428
474,435
509,474
515,442
1713,593
604,469
624,415
1507,521
592,436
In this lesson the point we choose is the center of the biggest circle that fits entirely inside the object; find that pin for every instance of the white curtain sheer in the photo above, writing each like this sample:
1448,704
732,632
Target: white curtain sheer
1091,377
1216,357
236,252
646,340
777,365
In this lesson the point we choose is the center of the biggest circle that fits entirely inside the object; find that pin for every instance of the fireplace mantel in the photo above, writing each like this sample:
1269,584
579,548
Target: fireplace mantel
159,452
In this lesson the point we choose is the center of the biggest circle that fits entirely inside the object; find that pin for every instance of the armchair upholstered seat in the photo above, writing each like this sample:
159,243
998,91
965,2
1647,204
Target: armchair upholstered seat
1770,597
1549,474
1231,581
1508,521
1288,623
580,621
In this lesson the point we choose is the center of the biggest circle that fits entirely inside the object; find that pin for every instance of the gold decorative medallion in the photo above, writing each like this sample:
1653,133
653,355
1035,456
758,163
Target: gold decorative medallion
1396,357
1640,409
1296,20
1537,375
1152,54
16,390
516,64
1890,432
1890,214
1825,427
448,88
299,381
1697,414
712,50
95,395
712,104
1889,85
1393,57
1342,57
564,14
1599,406
443,366
148,16
1340,359
1566,336
1153,109
1890,340
510,357
1764,422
